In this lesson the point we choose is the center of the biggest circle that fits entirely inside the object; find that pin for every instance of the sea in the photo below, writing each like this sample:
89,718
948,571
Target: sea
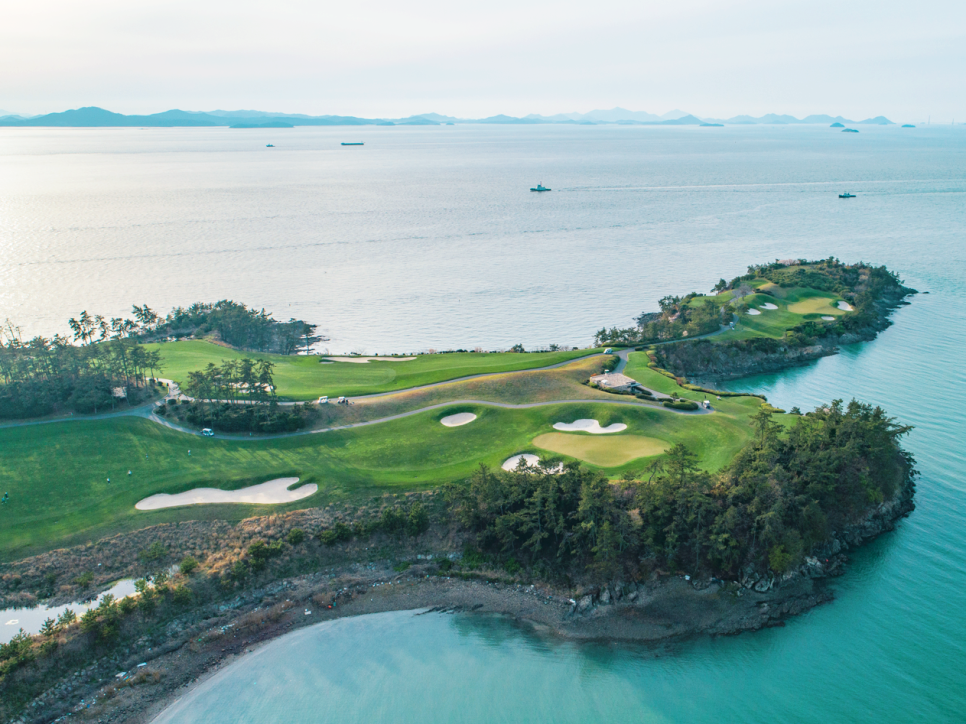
429,238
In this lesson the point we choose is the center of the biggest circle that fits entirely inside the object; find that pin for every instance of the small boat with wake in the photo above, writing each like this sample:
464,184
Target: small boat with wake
540,187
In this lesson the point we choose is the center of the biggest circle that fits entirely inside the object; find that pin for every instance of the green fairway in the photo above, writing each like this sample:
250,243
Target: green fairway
307,378
57,474
794,306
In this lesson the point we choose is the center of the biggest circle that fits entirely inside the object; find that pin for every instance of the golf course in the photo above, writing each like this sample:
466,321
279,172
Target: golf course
57,474
307,377
79,478
779,309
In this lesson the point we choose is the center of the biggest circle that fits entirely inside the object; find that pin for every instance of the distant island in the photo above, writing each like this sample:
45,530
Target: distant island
272,124
93,117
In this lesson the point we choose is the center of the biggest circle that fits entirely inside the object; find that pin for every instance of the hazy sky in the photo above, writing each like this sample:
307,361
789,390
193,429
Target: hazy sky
905,59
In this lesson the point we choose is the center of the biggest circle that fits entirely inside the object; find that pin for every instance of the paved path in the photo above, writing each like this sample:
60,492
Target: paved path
503,405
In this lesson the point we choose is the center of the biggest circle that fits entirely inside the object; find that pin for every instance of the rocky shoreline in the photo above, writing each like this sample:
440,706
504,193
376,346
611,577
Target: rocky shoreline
158,670
708,362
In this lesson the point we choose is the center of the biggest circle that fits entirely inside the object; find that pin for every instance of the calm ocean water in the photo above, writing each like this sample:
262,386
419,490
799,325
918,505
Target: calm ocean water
428,237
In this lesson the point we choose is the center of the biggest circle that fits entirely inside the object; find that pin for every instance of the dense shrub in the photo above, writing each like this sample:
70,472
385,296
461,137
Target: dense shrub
681,404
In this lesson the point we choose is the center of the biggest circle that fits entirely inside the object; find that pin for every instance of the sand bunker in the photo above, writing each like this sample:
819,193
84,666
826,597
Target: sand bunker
531,461
844,306
360,360
460,418
769,305
271,493
591,426
828,318
753,312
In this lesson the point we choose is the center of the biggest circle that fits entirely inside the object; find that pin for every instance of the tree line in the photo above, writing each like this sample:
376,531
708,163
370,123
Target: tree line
89,373
233,323
679,318
777,502
239,396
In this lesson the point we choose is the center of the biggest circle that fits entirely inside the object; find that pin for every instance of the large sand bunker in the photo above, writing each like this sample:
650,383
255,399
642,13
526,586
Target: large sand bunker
844,306
606,452
460,418
753,312
591,426
271,493
769,305
360,360
531,461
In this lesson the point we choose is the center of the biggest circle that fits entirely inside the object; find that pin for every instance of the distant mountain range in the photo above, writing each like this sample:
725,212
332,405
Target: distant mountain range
98,117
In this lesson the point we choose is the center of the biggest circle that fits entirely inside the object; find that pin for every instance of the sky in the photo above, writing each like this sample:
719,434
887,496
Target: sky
385,58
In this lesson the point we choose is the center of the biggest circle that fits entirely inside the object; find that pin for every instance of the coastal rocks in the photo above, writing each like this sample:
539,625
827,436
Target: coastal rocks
586,600
764,585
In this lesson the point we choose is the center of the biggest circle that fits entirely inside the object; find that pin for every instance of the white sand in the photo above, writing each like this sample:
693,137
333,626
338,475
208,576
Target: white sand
591,426
753,312
844,306
460,418
827,318
532,461
361,360
769,305
270,493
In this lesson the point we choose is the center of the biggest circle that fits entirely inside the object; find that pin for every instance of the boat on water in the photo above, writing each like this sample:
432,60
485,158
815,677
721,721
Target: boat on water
353,143
846,195
269,145
540,187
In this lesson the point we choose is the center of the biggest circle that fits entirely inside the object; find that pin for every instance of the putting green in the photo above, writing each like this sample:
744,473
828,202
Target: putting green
604,452
816,305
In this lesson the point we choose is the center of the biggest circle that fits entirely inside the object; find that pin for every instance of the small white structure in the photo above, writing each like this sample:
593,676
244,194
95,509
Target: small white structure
613,381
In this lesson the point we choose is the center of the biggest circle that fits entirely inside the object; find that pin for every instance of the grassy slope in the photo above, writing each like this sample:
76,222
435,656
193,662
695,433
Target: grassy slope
305,378
56,474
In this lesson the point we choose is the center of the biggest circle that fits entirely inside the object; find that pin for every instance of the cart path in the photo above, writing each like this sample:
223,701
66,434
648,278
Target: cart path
174,392
149,414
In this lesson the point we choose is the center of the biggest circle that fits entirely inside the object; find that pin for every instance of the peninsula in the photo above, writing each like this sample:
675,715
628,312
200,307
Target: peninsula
598,492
